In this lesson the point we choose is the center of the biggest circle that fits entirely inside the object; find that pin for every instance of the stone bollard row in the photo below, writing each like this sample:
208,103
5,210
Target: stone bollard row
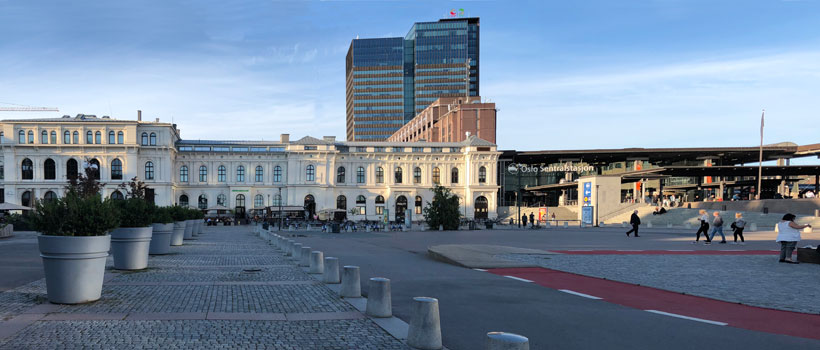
351,286
305,257
331,273
297,251
379,302
506,341
317,263
425,324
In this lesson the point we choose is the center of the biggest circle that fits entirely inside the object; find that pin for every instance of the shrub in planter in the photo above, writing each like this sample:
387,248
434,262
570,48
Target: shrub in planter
74,244
179,214
163,228
130,242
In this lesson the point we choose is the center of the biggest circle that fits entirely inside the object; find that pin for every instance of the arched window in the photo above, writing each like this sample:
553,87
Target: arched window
340,175
25,199
49,169
53,137
240,200
111,139
310,174
203,202
94,164
481,206
379,205
89,137
120,137
222,199
379,175
221,173
116,169
360,175
258,201
27,169
44,137
153,141
183,173
75,137
341,202
203,173
277,200
398,175
21,137
454,175
361,205
260,174
98,137
482,175
67,137
240,174
183,201
149,170
416,175
401,207
30,136
72,169
310,205
50,196
418,205
379,200
277,174
436,176
361,200
117,195
144,139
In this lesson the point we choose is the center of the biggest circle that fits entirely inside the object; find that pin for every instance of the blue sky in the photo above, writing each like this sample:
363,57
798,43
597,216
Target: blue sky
569,74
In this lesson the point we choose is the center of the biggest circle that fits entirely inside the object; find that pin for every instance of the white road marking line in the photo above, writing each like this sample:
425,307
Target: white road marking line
680,250
579,294
688,318
519,279
482,270
629,250
582,250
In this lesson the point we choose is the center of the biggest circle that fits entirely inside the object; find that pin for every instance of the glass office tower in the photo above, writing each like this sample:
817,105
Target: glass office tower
390,80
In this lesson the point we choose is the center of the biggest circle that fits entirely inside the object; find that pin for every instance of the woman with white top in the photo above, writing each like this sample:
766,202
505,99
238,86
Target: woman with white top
704,227
788,234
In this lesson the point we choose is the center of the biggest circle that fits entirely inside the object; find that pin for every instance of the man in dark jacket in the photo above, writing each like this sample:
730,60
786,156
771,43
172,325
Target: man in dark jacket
524,220
636,222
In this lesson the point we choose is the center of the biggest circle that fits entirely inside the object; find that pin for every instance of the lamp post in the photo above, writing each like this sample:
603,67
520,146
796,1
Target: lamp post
280,208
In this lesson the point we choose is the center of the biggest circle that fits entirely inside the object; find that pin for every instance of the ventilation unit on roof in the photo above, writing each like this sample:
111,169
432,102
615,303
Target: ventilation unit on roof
66,116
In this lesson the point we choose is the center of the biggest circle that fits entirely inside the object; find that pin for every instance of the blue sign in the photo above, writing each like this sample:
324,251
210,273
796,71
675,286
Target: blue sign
587,193
586,215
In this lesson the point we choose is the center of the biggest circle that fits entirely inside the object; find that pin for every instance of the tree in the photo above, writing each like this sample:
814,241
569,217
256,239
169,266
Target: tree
444,210
135,188
85,184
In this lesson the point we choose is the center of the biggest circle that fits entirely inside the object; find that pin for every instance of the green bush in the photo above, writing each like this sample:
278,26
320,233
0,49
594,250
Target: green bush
444,210
134,212
162,215
179,213
74,215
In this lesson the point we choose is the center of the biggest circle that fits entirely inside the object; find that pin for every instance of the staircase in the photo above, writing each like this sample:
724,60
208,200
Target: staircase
679,217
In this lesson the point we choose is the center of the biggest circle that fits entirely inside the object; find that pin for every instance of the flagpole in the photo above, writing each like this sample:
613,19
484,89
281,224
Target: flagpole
760,163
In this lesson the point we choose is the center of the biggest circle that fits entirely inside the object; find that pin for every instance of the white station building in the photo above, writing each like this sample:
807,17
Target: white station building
368,178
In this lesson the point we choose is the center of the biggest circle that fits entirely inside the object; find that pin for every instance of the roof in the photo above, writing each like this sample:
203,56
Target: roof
470,141
309,140
228,142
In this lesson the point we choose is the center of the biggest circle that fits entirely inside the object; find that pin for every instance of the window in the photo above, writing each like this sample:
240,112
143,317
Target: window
240,174
454,175
49,169
398,175
144,139
117,195
98,137
153,139
44,137
436,176
120,137
203,202
455,149
149,170
53,137
277,174
310,174
2,177
76,136
340,175
221,173
94,164
221,199
418,205
50,196
183,174
89,137
310,148
277,200
418,149
417,175
183,201
111,139
379,205
379,175
240,200
378,149
30,136
116,169
341,202
21,138
360,175
482,175
25,199
258,201
260,174
66,137
203,173
361,205
72,169
27,168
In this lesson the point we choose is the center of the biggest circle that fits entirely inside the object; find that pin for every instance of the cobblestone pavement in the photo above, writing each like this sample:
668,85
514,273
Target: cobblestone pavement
757,280
200,296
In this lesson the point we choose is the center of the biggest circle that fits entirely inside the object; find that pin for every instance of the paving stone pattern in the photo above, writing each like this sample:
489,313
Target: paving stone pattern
757,280
213,274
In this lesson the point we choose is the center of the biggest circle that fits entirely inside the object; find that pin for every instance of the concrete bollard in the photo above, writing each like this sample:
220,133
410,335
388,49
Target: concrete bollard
753,227
566,224
688,226
623,224
425,324
441,227
297,251
506,341
668,225
305,257
289,248
547,226
649,224
331,275
317,262
379,303
351,286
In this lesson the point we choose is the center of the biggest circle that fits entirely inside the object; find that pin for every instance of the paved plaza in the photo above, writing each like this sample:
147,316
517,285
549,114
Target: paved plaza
206,294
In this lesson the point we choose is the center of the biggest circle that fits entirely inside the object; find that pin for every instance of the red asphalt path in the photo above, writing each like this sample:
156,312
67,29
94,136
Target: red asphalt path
669,252
646,298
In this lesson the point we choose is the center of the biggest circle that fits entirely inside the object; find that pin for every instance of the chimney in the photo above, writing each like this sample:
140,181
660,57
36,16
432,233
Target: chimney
284,138
329,138
139,115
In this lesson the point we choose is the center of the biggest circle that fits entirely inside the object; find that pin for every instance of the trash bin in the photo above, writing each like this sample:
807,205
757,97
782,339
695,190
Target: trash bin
334,227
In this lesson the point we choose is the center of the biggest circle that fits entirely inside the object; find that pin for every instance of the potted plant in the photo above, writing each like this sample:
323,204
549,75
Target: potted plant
179,214
131,240
74,240
163,227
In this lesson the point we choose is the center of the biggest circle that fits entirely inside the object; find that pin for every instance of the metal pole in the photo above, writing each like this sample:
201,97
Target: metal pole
280,208
760,162
518,198
596,204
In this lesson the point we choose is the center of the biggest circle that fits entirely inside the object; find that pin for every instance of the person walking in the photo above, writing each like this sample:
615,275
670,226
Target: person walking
737,228
788,234
717,227
532,219
636,222
524,220
704,228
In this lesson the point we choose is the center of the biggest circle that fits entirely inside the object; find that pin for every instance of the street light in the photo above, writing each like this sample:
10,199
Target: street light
280,208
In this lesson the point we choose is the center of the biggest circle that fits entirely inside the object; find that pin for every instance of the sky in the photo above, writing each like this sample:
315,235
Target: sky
564,75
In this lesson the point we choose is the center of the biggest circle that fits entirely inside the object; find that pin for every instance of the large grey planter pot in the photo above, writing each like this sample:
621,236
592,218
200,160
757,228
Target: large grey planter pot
161,239
129,246
179,233
195,227
74,267
189,229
